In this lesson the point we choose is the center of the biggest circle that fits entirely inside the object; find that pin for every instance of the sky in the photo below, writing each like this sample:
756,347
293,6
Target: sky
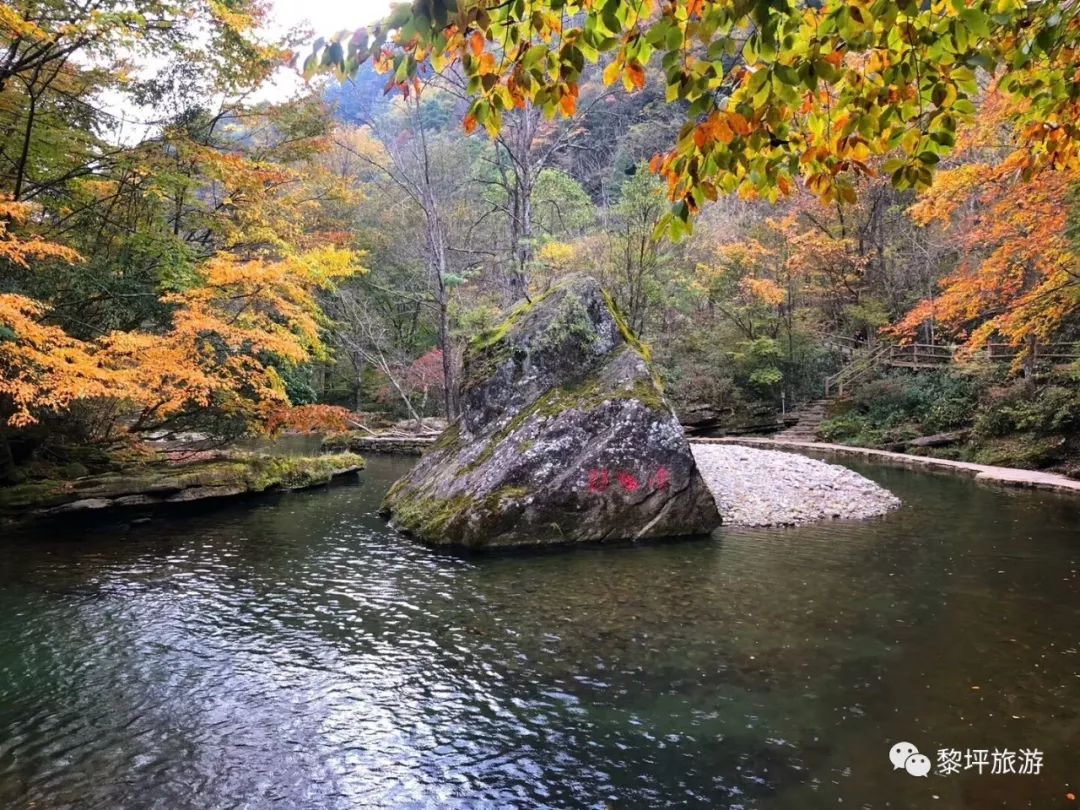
324,17
327,16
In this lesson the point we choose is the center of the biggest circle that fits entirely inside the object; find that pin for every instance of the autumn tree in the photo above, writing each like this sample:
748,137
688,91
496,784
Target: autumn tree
167,281
369,330
1017,276
57,57
525,147
40,365
218,352
638,258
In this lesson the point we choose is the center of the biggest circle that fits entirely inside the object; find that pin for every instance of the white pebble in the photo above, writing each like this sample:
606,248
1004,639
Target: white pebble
768,488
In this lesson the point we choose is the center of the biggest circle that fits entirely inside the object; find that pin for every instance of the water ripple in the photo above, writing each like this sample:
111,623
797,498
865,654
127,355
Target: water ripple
297,653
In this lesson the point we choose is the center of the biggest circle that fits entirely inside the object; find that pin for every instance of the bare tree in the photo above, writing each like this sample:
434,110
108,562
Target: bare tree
406,162
363,334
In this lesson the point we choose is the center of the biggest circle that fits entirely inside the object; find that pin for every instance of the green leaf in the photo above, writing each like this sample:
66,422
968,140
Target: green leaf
534,55
750,53
976,21
334,55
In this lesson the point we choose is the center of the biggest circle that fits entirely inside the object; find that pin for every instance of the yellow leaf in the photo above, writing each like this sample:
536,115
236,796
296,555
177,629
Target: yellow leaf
611,72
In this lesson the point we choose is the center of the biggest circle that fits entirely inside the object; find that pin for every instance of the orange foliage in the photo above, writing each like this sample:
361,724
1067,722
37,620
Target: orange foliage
41,367
19,250
823,265
731,264
765,290
1019,274
310,419
223,335
746,281
952,188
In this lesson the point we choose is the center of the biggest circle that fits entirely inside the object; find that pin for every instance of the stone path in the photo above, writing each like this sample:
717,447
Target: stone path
810,416
1003,476
754,487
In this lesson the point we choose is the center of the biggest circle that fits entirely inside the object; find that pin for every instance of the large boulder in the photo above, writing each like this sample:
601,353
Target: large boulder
565,436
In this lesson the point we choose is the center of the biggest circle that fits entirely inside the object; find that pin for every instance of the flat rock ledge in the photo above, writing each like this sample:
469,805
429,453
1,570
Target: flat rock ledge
153,484
769,488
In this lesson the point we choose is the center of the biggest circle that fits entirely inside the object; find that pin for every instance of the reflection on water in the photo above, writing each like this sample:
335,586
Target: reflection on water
287,444
294,652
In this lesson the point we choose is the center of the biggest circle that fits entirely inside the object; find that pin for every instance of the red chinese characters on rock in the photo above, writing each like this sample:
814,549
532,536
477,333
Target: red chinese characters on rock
660,479
600,481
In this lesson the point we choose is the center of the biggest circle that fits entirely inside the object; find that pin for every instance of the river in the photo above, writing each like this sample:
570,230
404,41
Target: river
292,651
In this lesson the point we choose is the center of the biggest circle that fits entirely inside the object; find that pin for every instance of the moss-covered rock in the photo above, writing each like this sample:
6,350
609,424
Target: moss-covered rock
355,441
565,436
167,483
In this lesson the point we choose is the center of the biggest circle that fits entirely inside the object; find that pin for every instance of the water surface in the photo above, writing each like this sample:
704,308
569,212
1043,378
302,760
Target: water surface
293,652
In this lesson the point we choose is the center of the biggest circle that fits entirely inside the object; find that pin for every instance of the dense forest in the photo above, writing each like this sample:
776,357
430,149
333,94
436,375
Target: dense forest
176,257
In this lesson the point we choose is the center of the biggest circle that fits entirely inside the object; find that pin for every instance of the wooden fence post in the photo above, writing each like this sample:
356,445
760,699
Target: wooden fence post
1029,356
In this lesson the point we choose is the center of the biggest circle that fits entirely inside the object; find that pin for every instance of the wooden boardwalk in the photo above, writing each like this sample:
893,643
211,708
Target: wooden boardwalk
927,356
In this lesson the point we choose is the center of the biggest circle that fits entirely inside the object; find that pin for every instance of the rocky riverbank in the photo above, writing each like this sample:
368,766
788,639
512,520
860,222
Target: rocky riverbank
769,488
161,482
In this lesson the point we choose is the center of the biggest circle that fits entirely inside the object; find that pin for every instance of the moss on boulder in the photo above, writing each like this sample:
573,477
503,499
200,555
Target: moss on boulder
565,436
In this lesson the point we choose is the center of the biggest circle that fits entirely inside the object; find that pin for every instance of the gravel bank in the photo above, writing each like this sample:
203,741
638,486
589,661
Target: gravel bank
769,488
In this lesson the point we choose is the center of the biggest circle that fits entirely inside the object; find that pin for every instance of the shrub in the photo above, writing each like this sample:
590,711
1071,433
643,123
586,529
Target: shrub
1053,409
934,401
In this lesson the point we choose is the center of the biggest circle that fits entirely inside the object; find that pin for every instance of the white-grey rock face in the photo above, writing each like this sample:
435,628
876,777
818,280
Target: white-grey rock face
768,488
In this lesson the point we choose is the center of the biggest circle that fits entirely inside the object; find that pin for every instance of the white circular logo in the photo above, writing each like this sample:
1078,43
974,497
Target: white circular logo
906,757
917,765
899,753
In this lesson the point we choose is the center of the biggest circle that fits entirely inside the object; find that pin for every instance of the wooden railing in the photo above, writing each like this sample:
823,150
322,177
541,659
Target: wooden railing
932,355
921,355
859,367
846,347
1057,352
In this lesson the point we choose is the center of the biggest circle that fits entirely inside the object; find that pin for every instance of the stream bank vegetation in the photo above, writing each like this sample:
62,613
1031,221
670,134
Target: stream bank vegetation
770,192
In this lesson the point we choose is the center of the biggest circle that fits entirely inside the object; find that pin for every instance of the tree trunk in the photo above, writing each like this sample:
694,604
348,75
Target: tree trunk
358,367
24,157
449,387
438,257
520,186
7,460
520,280
1030,349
